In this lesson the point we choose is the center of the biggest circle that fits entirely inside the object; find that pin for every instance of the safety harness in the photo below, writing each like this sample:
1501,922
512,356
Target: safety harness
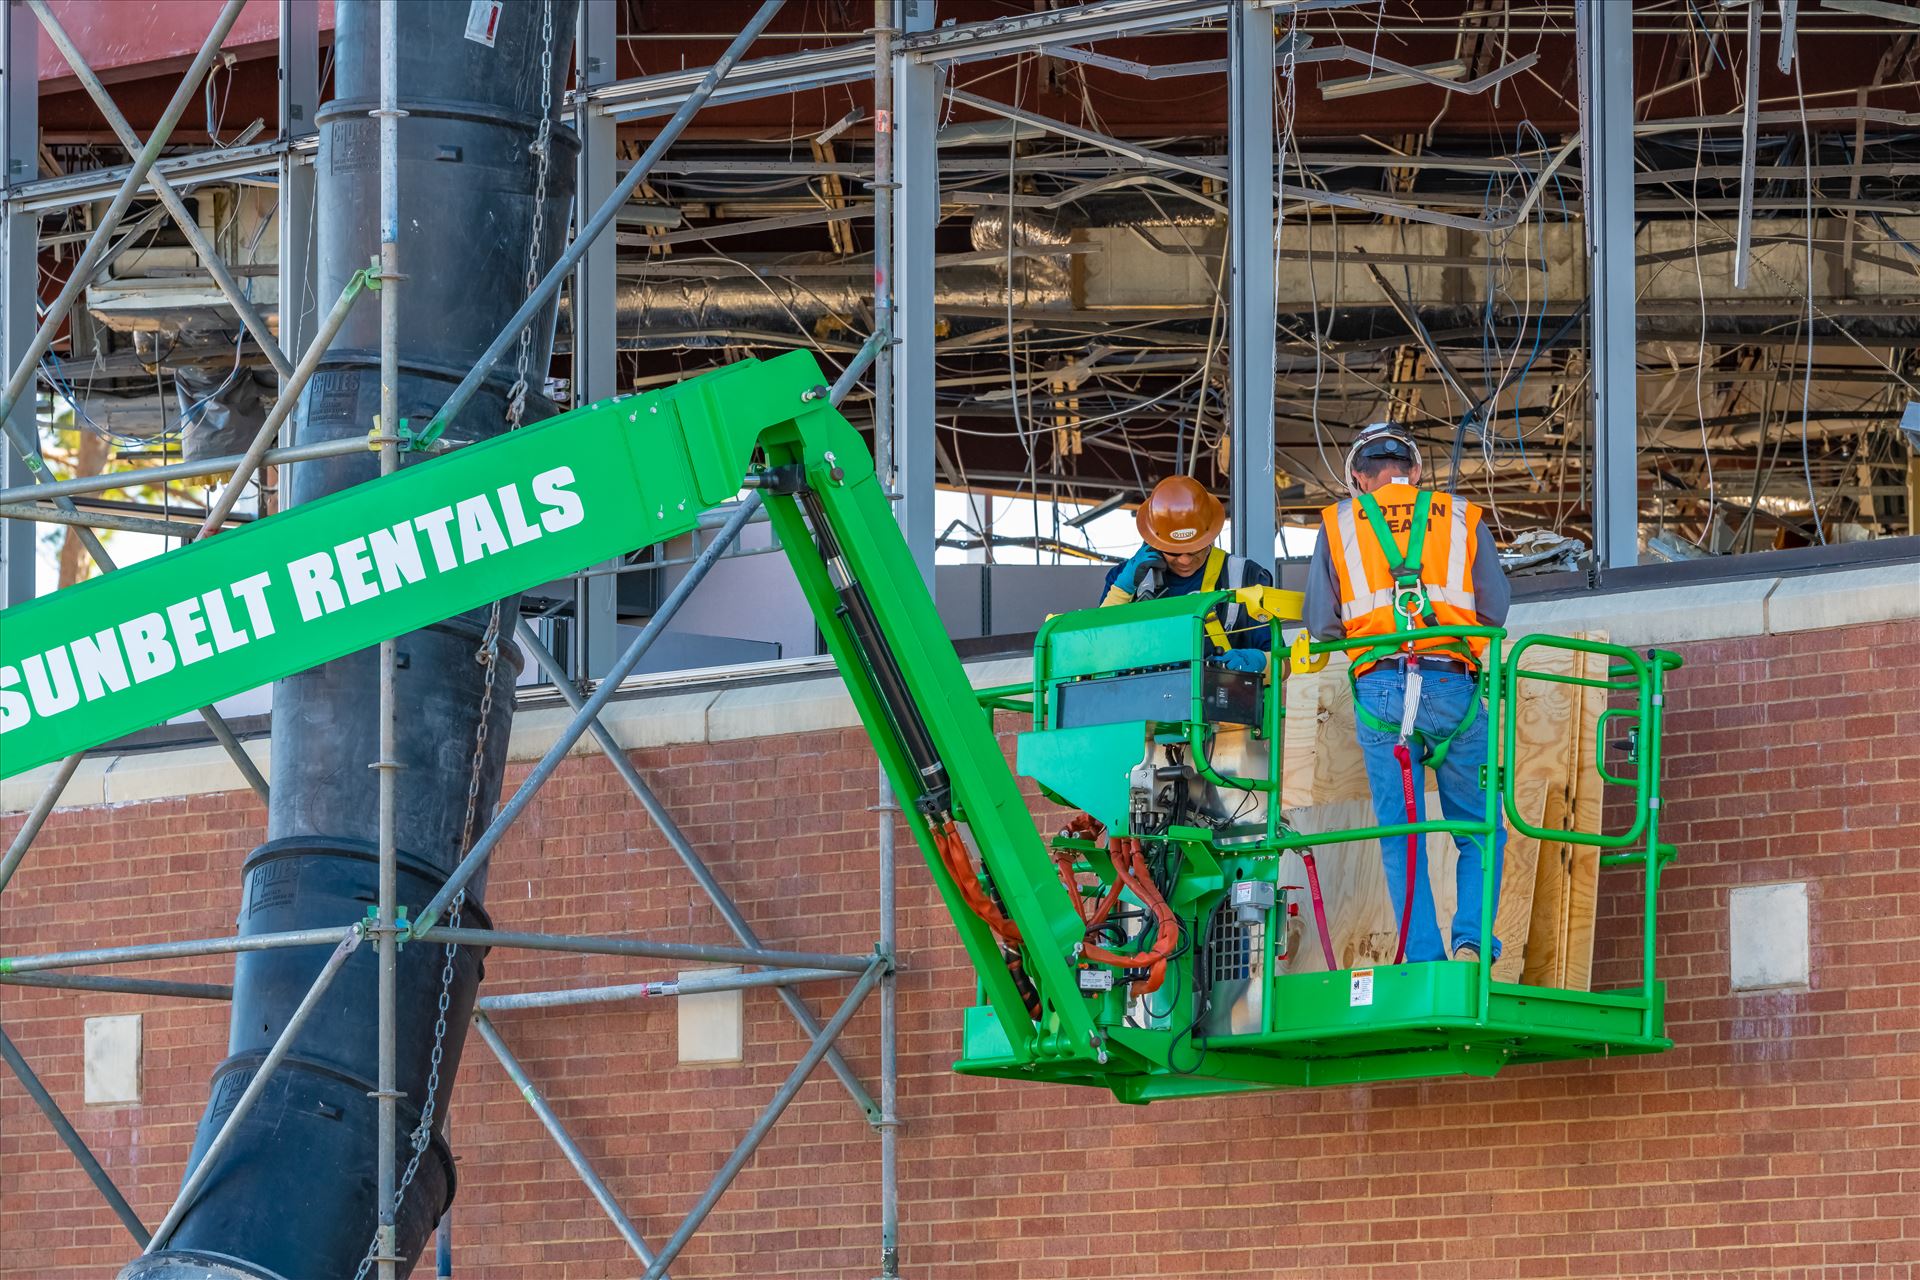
1414,609
1210,581
1210,576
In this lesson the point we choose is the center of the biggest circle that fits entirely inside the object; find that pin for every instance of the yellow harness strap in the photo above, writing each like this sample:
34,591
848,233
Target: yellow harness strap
1210,581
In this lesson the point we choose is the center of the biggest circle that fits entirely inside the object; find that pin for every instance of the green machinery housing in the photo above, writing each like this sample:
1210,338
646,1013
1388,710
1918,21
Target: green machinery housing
1138,952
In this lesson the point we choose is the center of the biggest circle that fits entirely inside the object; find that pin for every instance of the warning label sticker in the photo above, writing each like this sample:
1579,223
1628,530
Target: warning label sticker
1361,991
483,21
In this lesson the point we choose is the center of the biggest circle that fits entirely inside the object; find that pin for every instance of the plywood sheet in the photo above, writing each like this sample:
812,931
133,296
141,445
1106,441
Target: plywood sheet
1545,964
1583,863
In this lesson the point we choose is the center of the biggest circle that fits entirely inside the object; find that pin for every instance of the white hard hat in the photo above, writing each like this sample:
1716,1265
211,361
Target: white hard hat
1383,440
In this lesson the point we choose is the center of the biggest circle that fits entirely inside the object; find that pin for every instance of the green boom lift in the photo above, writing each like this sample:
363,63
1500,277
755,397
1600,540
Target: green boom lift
1140,951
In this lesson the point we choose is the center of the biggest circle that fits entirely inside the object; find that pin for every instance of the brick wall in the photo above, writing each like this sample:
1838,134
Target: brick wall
1781,1137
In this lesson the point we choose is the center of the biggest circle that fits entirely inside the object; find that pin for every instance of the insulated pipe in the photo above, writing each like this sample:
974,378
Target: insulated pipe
296,1190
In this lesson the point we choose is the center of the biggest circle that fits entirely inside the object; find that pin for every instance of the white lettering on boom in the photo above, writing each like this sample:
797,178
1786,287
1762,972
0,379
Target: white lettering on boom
313,586
396,555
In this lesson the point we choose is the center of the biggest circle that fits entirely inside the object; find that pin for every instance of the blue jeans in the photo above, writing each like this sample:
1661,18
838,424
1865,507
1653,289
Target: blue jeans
1445,698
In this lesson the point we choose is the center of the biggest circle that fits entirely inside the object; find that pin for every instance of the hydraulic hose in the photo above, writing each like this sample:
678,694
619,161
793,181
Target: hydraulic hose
1130,867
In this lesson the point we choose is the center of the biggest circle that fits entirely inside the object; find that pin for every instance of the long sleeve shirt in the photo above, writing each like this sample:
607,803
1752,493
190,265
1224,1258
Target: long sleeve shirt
1241,631
1492,596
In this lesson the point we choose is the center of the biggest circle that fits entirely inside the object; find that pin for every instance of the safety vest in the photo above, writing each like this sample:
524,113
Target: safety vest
1365,567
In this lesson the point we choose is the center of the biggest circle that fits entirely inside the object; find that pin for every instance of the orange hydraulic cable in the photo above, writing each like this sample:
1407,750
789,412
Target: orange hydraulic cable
959,865
953,855
1130,868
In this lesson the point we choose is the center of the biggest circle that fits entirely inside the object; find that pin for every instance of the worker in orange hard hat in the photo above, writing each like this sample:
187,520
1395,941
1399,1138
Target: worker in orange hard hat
1395,560
1179,522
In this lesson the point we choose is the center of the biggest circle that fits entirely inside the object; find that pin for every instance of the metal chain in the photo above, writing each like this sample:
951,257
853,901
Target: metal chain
488,654
542,148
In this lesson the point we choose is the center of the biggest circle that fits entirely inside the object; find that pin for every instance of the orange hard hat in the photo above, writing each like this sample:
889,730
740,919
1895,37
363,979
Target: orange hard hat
1180,515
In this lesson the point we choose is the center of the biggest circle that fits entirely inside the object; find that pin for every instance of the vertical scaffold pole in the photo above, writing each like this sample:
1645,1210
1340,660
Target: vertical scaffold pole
388,1095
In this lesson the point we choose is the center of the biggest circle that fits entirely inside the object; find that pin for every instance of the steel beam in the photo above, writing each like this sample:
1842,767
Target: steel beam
71,1138
602,1195
889,1122
220,164
27,512
677,840
767,1119
916,216
1252,214
596,322
920,42
1606,54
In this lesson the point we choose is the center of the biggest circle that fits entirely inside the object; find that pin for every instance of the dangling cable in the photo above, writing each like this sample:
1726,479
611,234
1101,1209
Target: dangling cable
1405,757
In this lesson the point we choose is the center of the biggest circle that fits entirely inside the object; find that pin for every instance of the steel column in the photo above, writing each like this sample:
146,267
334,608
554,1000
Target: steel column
299,99
771,1115
596,326
19,274
916,214
689,856
1252,213
1607,130
74,1143
602,1195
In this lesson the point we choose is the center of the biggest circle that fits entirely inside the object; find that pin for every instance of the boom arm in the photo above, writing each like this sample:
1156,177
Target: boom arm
1161,980
96,661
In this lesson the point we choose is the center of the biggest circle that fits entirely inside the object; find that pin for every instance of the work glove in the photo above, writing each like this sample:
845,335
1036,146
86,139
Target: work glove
1128,579
1244,660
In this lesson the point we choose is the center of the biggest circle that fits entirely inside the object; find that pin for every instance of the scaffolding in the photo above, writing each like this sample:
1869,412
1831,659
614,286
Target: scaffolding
906,56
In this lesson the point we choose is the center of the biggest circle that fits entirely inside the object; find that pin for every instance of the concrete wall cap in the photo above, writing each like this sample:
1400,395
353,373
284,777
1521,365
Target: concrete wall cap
1665,616
1884,593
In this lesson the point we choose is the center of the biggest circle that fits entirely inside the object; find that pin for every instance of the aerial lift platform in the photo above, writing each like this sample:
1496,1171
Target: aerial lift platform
1140,951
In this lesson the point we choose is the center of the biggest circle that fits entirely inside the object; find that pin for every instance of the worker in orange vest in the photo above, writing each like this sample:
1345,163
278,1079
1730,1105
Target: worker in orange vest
1395,558
1179,522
